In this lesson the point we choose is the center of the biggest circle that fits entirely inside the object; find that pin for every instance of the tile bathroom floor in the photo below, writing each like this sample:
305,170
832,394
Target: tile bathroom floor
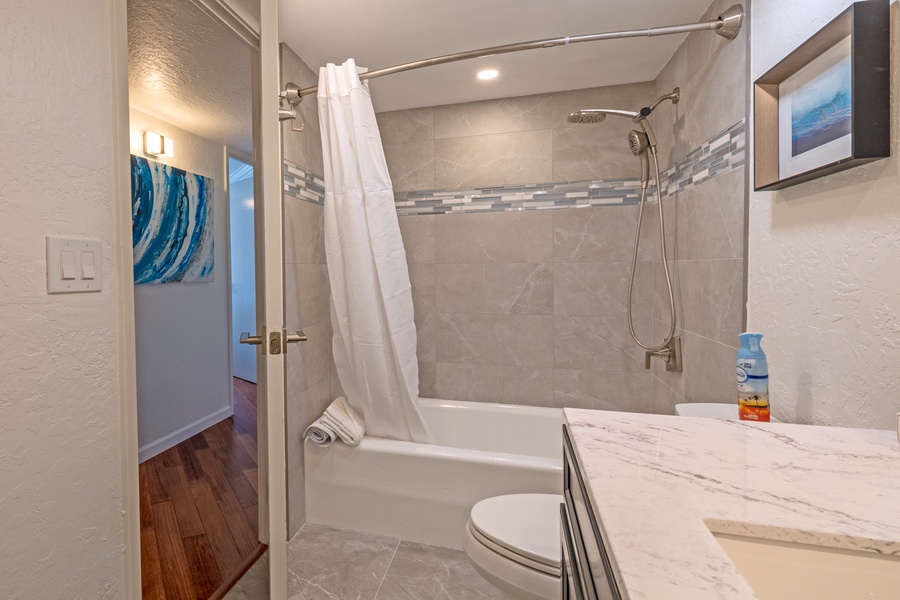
334,564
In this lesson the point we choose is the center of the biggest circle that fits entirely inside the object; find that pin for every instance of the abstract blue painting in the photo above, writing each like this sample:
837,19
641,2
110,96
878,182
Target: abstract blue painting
821,110
172,223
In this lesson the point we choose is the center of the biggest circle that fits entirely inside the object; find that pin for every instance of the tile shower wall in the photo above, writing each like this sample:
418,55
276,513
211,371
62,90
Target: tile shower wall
528,306
309,365
706,228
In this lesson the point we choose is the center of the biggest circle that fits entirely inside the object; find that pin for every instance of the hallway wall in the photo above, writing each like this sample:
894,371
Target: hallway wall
183,345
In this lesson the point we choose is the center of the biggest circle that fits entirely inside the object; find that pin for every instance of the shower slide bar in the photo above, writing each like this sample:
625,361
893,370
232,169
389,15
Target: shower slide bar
728,24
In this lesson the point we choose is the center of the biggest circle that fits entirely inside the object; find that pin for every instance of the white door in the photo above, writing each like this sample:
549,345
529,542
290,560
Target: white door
272,372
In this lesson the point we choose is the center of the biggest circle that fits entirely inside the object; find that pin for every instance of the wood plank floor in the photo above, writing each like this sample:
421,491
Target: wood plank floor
199,514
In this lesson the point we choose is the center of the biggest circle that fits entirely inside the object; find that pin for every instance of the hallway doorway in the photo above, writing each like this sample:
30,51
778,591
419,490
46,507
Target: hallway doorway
199,508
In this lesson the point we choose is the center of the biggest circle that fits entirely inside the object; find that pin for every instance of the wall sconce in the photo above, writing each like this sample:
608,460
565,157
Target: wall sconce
158,145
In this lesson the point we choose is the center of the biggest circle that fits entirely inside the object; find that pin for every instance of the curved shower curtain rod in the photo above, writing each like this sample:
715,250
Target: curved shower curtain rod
728,24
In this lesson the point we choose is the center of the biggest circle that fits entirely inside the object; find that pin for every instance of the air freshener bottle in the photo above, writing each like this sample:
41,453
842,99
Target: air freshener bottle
752,379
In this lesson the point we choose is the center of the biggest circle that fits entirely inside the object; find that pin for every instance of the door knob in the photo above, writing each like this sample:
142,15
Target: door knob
293,338
255,340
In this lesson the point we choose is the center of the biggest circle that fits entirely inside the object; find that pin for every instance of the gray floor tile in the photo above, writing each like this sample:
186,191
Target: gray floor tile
420,572
254,585
331,564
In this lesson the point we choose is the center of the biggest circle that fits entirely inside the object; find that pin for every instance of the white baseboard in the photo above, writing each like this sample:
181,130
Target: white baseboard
176,437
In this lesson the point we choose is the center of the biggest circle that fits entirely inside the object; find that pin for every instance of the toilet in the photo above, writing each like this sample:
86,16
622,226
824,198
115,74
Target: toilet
513,542
710,410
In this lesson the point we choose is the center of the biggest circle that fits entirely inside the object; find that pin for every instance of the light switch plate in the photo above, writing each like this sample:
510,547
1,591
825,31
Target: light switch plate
81,248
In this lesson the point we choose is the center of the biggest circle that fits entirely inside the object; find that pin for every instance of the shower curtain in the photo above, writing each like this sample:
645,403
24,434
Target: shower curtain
371,298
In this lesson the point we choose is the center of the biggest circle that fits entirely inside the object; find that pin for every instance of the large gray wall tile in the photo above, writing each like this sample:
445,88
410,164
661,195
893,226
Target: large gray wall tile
588,152
493,383
595,234
302,410
426,337
427,380
712,293
595,343
506,115
517,237
413,125
418,238
306,295
304,232
499,159
710,218
411,165
601,289
421,277
603,390
310,362
512,340
517,289
709,370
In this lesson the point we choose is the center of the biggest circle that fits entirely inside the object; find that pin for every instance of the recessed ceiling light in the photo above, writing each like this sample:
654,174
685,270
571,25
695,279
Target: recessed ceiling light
486,74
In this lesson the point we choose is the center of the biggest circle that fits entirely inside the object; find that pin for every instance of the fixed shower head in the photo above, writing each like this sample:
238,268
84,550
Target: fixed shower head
586,116
638,142
596,115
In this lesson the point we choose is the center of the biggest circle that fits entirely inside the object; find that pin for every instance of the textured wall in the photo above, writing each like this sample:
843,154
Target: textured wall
704,225
190,71
824,266
61,522
182,329
309,365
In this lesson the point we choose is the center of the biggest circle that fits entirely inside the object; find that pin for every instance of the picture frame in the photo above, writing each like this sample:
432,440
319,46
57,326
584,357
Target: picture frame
826,106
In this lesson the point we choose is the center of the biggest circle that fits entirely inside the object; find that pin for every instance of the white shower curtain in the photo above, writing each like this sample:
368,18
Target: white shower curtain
371,298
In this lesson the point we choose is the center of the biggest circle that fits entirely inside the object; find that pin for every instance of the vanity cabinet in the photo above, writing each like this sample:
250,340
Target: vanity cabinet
586,572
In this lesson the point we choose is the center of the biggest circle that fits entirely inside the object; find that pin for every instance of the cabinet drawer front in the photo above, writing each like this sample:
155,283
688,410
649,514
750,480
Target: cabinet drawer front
571,578
594,563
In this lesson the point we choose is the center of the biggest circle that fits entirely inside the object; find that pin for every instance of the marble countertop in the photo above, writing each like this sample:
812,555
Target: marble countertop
660,483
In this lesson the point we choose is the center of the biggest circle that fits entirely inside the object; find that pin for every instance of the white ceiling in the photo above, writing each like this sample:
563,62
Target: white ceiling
190,71
390,32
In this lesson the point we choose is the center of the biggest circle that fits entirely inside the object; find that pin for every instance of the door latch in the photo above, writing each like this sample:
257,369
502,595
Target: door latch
275,343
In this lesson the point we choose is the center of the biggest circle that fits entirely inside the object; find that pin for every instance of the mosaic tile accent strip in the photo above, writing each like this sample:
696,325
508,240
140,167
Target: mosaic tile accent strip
724,152
522,197
302,184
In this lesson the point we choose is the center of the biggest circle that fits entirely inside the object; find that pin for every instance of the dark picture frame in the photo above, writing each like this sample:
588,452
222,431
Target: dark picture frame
826,106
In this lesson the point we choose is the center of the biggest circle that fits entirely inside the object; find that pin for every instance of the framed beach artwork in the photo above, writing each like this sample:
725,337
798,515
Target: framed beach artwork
172,223
826,106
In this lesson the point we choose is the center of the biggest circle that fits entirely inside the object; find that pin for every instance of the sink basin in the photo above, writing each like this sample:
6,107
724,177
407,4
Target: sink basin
789,571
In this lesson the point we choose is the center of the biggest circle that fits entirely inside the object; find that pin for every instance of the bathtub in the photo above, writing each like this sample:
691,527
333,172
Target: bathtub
423,492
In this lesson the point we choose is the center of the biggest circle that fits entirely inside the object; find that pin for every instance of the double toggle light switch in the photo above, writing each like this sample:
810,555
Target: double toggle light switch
73,265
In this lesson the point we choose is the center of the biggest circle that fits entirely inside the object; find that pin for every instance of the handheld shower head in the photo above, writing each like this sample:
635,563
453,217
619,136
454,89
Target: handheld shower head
638,142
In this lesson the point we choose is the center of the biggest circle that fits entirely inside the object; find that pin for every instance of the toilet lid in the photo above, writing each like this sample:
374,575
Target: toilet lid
524,524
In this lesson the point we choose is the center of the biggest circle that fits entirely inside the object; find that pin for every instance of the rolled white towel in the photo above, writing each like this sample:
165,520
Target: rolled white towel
320,434
341,419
